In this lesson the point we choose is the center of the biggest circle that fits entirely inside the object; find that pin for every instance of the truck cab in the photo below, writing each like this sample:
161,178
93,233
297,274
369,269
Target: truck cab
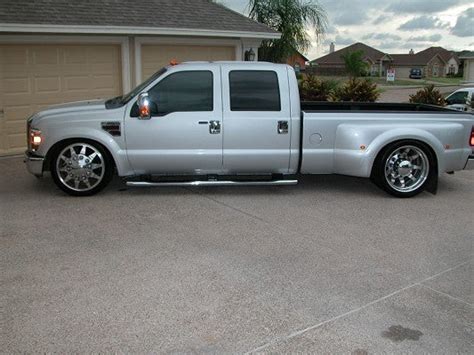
214,118
461,100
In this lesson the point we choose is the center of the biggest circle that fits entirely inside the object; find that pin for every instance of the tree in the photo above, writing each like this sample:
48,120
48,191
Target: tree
356,90
355,64
291,18
428,95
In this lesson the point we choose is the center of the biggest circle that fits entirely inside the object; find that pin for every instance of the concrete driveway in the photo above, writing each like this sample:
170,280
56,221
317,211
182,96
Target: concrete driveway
331,265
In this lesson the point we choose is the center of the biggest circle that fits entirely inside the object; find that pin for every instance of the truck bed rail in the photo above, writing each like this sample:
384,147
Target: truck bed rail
309,106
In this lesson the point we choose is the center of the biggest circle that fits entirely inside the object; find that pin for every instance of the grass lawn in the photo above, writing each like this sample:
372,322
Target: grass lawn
401,82
447,81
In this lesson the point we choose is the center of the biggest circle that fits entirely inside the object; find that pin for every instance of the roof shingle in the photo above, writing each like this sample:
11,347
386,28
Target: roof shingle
174,14
336,57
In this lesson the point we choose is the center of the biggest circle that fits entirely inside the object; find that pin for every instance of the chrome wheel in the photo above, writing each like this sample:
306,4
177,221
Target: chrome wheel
407,168
80,167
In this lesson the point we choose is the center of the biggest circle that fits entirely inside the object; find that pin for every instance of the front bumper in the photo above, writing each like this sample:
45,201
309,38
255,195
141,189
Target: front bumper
34,164
470,163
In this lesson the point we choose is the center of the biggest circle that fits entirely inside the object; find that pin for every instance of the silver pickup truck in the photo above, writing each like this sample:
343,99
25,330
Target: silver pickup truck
232,123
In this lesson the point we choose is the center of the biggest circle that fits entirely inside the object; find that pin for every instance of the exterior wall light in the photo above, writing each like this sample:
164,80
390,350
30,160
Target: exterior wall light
250,55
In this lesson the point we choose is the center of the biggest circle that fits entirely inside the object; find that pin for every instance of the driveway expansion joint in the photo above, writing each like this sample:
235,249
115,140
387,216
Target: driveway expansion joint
333,319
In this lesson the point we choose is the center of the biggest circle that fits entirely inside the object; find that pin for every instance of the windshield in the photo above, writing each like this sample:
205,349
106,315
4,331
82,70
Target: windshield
139,88
122,100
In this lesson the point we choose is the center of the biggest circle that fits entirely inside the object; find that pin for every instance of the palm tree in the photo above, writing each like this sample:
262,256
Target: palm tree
291,18
355,64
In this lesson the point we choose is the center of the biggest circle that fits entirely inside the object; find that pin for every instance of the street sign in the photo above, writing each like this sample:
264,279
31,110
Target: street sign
391,75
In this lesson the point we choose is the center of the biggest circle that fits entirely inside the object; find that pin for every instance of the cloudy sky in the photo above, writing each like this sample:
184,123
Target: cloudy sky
393,26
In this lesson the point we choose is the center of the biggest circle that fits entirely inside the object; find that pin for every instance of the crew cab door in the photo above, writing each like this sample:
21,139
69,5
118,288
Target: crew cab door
257,119
184,134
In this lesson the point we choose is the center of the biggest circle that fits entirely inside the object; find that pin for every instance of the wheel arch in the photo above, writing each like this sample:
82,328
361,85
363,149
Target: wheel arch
380,144
56,146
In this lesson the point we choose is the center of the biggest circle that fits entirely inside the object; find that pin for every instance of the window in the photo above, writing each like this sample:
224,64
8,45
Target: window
253,90
187,91
459,97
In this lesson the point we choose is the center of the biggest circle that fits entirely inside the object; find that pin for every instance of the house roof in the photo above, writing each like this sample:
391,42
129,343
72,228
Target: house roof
336,57
408,59
169,14
429,53
424,57
466,55
299,54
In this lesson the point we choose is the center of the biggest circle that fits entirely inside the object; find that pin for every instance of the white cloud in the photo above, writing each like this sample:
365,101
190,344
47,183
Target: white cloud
431,38
422,22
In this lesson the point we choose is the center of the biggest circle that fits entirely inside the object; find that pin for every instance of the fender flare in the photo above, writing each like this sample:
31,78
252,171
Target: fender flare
397,134
118,154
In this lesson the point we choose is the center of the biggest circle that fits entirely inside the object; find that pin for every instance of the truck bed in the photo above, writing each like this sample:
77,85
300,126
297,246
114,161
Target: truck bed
318,106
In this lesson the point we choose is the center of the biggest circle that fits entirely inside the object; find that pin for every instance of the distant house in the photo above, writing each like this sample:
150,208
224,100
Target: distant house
468,70
298,61
433,61
333,63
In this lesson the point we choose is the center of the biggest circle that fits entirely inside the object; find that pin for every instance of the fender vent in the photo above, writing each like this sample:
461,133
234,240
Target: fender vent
113,128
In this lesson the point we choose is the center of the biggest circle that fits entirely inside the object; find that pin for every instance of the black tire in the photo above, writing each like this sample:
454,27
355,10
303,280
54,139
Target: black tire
405,168
88,184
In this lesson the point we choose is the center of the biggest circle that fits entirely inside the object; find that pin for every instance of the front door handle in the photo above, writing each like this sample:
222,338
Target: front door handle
282,127
214,127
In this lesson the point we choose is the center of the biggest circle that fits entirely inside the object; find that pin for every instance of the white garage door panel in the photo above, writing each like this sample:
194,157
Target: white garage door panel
155,57
33,77
402,72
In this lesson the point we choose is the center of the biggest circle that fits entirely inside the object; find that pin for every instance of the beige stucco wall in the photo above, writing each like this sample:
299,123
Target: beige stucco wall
469,70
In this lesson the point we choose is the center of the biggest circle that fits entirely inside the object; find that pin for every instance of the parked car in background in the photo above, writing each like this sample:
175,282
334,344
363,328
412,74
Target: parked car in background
231,123
416,73
461,100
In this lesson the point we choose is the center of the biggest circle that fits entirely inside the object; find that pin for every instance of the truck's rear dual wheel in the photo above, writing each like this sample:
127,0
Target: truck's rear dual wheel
81,168
404,168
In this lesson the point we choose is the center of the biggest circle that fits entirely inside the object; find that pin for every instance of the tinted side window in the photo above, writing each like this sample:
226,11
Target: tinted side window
252,90
187,91
458,97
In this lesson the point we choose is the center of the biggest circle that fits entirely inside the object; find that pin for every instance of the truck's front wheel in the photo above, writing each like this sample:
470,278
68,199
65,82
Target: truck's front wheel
81,168
404,168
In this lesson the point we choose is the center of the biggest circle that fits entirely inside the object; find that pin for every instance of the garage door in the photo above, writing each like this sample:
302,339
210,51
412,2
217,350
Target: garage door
402,72
155,57
33,77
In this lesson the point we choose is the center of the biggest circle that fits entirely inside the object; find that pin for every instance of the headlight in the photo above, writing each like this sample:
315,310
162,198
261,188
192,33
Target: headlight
34,139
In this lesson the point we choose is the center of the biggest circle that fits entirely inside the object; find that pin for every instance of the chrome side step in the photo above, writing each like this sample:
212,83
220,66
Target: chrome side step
212,183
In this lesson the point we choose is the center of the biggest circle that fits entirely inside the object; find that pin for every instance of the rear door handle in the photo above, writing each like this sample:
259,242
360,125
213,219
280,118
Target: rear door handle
282,127
214,127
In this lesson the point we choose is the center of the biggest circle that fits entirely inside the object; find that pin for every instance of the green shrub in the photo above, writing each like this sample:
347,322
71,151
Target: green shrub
357,90
428,95
314,89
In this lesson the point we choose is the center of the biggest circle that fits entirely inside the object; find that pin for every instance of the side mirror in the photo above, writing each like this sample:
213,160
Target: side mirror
144,107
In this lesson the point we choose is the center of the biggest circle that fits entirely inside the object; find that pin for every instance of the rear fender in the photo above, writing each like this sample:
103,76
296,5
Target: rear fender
381,141
357,146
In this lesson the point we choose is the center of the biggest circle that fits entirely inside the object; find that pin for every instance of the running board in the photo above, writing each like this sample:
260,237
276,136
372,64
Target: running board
212,183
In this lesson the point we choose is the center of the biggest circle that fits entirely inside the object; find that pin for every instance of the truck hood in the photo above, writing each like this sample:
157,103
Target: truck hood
71,107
